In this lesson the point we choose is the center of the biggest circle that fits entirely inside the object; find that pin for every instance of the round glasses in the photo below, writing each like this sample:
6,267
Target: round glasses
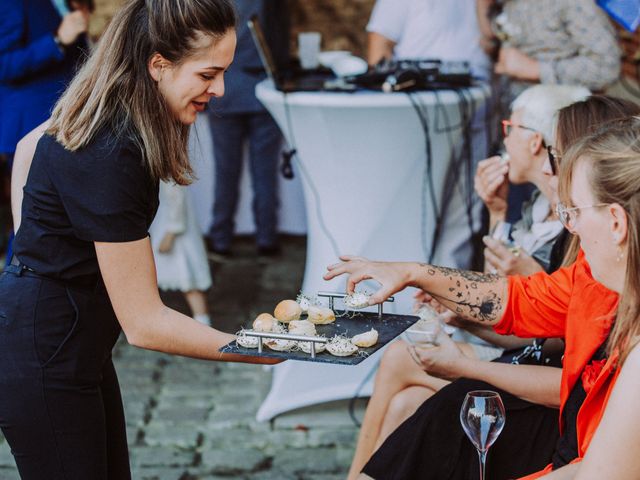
568,215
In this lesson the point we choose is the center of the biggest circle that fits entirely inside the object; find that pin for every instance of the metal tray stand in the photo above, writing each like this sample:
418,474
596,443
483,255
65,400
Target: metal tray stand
351,323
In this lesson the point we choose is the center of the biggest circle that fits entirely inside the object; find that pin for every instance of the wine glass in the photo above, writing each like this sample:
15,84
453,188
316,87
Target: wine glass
482,417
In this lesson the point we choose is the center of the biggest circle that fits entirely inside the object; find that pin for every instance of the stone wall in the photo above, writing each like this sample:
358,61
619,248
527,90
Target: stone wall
341,22
630,43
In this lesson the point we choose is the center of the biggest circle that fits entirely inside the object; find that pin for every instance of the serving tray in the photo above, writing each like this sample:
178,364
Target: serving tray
388,325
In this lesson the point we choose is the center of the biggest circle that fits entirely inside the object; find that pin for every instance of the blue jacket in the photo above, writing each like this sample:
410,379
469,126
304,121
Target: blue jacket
33,70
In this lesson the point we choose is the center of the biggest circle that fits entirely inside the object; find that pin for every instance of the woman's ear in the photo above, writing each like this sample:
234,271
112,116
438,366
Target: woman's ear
619,224
157,64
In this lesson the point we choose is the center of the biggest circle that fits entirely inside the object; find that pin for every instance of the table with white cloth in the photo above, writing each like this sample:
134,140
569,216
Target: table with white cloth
371,189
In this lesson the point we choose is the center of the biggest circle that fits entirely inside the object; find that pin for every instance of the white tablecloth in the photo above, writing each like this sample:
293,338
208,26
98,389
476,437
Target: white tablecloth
362,159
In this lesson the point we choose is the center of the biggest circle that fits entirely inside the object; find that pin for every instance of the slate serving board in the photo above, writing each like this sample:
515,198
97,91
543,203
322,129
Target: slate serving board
388,327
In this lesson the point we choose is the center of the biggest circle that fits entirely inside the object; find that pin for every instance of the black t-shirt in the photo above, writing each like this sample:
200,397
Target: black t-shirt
103,192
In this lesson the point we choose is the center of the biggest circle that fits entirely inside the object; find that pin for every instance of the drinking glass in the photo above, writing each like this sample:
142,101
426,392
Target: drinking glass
425,331
309,49
423,334
482,417
502,231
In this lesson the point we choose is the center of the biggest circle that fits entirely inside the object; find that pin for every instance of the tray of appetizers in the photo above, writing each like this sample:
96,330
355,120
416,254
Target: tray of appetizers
309,330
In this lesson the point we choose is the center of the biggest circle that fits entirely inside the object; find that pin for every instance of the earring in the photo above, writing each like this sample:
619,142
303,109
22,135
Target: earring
620,255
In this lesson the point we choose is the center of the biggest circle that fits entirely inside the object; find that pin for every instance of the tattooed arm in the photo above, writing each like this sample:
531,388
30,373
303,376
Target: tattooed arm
477,297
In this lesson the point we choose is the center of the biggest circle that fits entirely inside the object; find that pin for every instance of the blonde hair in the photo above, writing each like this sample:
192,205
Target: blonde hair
114,88
613,154
579,119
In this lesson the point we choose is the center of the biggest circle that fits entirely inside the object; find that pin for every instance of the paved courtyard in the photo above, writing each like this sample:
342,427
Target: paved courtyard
190,419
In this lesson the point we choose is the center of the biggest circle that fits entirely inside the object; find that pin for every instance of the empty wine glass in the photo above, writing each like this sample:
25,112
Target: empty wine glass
482,417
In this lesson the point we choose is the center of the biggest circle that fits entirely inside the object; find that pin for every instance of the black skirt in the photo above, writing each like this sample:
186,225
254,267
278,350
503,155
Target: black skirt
432,445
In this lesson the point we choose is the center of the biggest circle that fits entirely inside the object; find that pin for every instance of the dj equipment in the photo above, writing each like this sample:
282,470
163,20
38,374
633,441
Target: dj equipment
414,74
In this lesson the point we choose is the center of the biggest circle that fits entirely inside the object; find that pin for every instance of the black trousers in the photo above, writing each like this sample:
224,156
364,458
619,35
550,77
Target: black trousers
60,405
432,445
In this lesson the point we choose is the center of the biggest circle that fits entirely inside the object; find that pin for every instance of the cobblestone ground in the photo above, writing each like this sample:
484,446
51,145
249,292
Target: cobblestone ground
189,419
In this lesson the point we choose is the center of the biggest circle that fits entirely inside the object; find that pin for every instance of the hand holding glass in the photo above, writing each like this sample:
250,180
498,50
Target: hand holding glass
425,331
482,417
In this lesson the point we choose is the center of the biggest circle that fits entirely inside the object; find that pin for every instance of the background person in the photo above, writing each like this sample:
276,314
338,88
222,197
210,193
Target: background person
564,42
238,119
41,45
412,29
179,253
569,42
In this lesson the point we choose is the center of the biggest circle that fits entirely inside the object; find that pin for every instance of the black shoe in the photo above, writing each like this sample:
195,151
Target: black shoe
269,250
217,254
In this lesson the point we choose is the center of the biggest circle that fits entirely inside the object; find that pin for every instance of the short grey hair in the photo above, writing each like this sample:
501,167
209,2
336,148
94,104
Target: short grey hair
539,105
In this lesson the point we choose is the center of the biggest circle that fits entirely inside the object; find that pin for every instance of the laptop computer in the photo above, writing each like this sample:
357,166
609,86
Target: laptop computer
300,82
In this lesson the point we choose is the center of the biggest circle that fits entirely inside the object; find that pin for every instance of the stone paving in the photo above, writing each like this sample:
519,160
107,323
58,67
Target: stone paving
189,419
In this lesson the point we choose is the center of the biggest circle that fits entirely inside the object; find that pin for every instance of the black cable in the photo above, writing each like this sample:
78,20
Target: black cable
452,170
453,177
291,141
427,179
467,110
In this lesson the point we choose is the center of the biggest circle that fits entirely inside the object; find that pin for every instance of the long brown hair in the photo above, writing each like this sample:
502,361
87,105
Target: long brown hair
613,153
581,118
115,89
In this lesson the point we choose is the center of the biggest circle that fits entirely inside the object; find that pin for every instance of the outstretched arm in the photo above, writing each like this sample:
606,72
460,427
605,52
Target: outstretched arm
129,274
478,297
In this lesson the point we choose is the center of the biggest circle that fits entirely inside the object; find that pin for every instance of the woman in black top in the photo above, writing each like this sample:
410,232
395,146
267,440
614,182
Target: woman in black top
83,266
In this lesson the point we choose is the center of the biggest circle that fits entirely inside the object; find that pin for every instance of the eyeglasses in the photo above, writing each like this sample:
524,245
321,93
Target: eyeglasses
508,125
554,159
568,216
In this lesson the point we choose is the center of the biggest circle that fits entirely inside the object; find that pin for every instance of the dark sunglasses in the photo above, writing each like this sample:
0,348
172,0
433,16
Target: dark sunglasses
554,159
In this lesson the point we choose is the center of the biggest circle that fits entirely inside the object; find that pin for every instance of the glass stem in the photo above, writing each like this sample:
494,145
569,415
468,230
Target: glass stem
482,456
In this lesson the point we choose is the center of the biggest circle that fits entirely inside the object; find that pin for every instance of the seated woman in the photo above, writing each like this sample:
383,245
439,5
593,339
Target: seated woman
601,180
401,385
568,304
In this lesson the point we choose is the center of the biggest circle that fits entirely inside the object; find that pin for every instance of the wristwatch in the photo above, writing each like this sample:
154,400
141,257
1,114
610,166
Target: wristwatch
61,46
